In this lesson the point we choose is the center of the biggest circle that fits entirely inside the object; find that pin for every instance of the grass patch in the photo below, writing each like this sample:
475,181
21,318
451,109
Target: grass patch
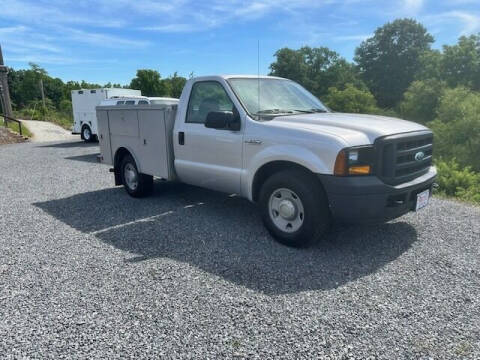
57,117
61,119
15,128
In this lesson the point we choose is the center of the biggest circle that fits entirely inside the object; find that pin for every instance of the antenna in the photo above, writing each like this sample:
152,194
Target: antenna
258,73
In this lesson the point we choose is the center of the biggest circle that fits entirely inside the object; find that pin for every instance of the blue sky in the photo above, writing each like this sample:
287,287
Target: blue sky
107,40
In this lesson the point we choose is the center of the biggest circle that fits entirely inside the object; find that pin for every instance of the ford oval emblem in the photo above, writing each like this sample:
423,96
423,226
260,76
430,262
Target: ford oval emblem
419,156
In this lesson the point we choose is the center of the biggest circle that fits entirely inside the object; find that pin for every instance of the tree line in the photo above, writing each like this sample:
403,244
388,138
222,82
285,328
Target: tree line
395,72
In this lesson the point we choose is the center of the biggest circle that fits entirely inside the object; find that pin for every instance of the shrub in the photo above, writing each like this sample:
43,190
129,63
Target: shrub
455,181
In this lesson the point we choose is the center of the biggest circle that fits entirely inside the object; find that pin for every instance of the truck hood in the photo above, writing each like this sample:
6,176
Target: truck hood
354,129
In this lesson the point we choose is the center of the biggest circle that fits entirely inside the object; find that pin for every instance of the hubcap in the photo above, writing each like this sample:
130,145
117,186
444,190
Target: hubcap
286,210
131,177
86,133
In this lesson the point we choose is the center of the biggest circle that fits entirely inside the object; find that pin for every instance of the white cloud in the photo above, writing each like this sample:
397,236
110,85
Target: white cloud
219,12
53,59
468,21
352,37
413,7
21,39
172,28
101,39
53,12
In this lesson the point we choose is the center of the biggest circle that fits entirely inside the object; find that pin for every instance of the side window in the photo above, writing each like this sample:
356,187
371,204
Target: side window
206,97
130,102
142,102
120,102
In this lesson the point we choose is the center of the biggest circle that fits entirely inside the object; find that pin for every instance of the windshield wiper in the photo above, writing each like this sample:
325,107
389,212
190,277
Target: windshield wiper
311,111
273,111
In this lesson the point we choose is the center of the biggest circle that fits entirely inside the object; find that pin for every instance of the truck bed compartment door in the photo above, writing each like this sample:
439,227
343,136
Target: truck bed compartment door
104,136
153,147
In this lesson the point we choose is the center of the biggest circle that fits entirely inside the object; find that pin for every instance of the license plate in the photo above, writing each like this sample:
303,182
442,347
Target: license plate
422,199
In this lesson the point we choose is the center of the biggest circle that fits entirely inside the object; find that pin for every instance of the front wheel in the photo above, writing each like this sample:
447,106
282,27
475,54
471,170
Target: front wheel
294,208
136,184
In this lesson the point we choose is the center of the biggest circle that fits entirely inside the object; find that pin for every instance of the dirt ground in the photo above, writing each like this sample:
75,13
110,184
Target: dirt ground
8,137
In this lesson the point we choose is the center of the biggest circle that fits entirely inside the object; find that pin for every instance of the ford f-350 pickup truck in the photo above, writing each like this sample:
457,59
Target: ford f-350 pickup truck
271,141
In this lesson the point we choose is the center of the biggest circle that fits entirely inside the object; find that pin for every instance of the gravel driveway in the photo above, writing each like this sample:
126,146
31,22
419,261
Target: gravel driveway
88,272
44,131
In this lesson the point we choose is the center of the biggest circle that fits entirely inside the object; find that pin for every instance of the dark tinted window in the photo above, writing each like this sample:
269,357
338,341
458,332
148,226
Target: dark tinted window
120,102
130,102
206,97
142,102
93,91
80,92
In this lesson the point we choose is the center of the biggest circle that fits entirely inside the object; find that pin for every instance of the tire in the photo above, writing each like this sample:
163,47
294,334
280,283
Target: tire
136,184
294,208
86,134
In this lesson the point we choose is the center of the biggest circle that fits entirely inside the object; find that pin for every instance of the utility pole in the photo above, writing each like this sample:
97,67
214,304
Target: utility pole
43,99
4,93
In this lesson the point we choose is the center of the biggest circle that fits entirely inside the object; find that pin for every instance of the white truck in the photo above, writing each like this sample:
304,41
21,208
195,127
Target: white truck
271,141
84,102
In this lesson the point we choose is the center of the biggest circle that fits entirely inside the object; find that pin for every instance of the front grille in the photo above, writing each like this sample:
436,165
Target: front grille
400,156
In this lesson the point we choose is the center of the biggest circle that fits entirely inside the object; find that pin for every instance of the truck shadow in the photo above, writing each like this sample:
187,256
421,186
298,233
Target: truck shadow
70,144
224,236
91,158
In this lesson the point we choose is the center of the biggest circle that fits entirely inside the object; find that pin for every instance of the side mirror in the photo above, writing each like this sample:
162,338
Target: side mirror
223,120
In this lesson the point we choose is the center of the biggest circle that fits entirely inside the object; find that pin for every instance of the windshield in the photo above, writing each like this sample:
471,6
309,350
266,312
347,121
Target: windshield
276,97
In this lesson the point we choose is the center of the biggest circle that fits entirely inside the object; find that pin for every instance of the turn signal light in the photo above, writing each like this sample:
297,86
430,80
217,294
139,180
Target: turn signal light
359,170
340,168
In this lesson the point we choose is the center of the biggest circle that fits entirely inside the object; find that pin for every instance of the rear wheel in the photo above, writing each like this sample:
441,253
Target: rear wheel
86,134
136,184
294,208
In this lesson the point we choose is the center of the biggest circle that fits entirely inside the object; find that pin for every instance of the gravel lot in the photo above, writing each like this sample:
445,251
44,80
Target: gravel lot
88,272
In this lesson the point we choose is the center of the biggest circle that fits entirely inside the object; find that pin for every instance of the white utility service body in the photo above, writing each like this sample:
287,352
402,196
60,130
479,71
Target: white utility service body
303,164
84,102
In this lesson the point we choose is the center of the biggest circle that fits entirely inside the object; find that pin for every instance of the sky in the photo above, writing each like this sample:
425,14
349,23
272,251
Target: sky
108,40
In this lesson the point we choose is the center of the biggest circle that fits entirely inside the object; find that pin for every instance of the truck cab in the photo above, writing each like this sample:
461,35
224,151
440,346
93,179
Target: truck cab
271,141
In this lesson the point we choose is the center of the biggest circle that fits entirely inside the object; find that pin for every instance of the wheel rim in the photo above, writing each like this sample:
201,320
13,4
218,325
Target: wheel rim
286,210
86,133
131,176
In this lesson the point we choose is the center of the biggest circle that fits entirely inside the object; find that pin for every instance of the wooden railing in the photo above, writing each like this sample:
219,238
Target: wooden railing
6,119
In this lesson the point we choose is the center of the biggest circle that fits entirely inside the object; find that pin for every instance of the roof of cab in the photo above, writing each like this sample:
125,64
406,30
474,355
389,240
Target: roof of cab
226,77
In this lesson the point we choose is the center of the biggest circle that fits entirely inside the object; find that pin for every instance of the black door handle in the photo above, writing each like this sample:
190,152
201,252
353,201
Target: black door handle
181,138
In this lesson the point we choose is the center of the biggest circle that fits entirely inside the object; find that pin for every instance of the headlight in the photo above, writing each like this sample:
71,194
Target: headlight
355,161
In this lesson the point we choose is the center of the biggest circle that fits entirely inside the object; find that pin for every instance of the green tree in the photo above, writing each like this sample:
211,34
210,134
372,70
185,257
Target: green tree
430,66
389,60
317,69
174,85
24,85
457,127
351,100
461,62
53,88
421,100
149,83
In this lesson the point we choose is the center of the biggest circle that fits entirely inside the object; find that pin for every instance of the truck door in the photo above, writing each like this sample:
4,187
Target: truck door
206,157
